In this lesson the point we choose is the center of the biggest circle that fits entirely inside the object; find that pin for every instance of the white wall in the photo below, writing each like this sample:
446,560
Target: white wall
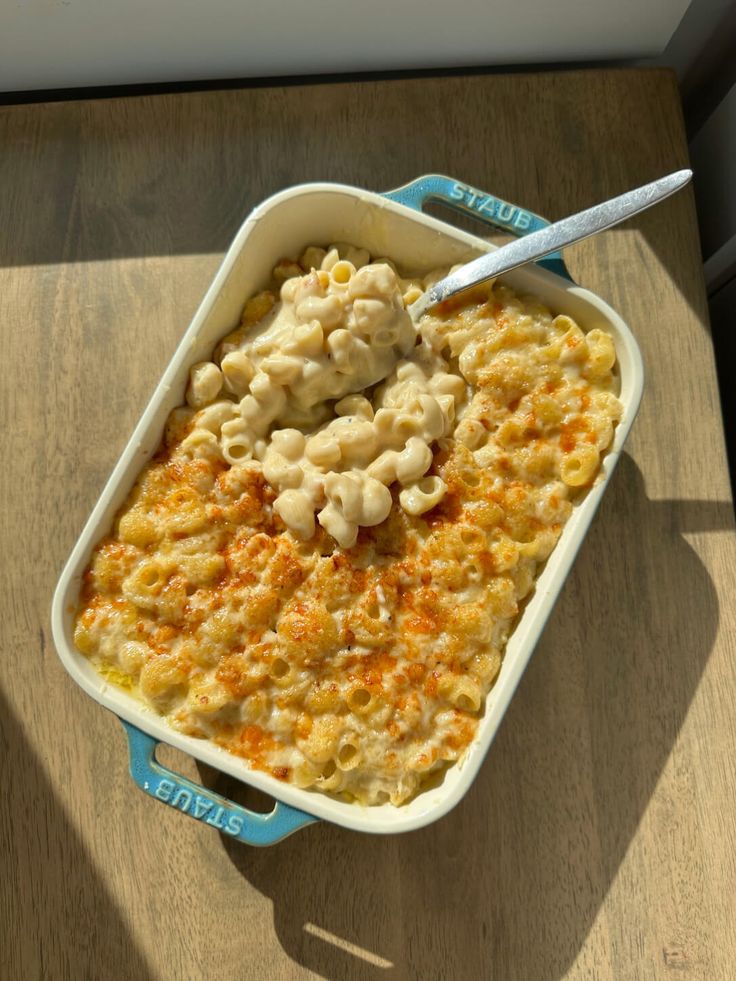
690,42
67,43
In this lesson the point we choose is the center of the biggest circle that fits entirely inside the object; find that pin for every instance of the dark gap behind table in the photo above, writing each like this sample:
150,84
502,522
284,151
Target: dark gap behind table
722,305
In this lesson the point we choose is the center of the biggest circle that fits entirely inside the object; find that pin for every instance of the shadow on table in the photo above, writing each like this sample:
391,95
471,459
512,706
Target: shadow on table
509,884
57,918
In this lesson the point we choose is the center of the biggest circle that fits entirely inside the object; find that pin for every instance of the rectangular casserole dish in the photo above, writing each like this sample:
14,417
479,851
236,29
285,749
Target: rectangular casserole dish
392,225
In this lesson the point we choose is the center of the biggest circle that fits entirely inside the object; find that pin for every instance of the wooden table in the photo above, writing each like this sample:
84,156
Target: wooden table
598,841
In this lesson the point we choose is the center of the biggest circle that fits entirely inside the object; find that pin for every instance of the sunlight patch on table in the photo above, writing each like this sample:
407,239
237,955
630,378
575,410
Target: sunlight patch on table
348,947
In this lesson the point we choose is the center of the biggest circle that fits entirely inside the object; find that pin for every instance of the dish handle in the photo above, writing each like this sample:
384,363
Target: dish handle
479,204
203,805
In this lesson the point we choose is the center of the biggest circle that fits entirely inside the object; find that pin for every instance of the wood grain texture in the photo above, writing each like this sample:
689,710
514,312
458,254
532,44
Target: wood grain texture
599,838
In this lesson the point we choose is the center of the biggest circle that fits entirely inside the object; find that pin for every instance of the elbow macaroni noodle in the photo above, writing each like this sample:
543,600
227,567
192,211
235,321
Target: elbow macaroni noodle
320,569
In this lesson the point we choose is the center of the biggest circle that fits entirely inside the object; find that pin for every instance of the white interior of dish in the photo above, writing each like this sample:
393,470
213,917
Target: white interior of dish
282,226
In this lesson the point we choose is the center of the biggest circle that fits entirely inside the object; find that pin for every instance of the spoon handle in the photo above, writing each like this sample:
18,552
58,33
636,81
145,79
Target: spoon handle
550,239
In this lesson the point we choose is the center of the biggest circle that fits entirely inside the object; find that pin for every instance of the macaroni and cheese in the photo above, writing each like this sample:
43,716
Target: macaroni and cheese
321,567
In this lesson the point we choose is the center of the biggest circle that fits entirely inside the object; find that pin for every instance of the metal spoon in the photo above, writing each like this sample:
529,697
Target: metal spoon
550,239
